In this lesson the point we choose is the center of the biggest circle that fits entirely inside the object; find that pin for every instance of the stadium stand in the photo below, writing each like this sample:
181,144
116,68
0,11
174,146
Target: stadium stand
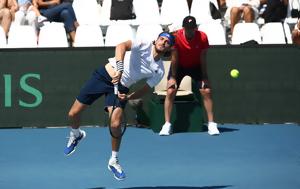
53,35
244,32
89,36
117,33
215,33
200,9
22,37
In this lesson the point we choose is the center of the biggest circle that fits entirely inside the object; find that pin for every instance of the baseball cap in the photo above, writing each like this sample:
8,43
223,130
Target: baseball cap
189,22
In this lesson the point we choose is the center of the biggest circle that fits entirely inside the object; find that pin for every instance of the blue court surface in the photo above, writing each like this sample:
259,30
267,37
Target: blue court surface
242,157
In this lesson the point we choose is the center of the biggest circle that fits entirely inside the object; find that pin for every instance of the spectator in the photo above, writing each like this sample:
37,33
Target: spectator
7,13
275,11
57,11
295,8
242,9
296,33
189,58
28,13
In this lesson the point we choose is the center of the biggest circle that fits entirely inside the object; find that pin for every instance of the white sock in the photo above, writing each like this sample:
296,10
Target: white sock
167,123
114,155
76,132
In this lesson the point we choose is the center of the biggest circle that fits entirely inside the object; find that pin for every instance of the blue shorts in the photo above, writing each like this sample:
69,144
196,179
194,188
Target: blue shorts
194,73
100,84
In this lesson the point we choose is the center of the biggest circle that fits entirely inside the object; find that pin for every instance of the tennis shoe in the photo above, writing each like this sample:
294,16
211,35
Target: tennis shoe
166,130
213,129
116,169
41,19
73,142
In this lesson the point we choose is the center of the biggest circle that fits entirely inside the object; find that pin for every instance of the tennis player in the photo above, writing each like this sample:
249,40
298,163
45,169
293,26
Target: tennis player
144,63
189,58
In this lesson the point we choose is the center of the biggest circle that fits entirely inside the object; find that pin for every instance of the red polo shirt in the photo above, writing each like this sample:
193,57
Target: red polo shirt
189,52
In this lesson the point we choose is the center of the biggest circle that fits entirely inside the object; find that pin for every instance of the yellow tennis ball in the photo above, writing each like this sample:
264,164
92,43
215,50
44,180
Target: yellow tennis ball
234,73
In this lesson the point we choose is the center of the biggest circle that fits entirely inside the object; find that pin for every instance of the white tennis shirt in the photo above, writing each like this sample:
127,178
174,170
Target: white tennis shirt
139,64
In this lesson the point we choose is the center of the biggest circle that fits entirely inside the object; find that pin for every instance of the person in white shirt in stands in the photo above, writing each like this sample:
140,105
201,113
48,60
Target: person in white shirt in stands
144,63
241,9
28,13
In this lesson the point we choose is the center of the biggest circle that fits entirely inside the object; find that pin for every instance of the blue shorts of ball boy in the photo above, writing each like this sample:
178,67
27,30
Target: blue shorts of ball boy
100,84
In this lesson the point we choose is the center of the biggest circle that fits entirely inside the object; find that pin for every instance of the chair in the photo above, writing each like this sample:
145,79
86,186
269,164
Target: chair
22,37
187,111
105,13
87,11
53,35
105,20
185,88
117,33
273,33
244,32
3,41
288,33
148,32
89,36
200,9
215,33
147,12
173,11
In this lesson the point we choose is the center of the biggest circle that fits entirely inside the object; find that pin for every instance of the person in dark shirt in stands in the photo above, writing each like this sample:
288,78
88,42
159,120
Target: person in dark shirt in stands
58,11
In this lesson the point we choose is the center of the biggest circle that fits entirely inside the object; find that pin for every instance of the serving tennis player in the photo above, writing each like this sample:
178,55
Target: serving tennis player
144,63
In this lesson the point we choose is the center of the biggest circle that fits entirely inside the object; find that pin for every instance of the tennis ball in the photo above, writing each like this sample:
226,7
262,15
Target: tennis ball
234,73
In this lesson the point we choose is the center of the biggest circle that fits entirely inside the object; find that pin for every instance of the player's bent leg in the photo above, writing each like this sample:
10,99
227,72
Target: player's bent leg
76,134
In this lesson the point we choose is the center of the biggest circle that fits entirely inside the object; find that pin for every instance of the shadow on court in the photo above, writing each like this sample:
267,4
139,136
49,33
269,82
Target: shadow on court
180,187
222,129
226,129
172,187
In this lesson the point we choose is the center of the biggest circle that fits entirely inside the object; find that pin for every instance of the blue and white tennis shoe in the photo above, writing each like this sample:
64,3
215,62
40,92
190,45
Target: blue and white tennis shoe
73,142
116,169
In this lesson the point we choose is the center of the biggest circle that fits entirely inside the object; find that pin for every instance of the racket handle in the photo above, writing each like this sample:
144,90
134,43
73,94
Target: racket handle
116,89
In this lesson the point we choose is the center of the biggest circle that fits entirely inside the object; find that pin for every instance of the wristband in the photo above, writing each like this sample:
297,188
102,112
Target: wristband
120,66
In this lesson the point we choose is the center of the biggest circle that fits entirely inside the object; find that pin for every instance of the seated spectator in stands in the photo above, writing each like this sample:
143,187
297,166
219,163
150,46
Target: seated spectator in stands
57,11
296,33
275,10
242,9
28,13
7,13
295,8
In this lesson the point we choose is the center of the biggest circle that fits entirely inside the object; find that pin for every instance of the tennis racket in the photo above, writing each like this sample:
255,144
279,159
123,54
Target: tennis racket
123,123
